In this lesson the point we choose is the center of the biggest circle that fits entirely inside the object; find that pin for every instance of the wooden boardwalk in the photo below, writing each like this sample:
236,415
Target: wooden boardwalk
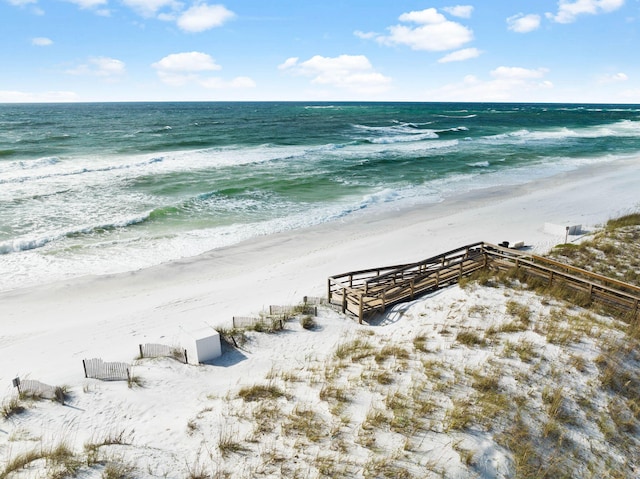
365,292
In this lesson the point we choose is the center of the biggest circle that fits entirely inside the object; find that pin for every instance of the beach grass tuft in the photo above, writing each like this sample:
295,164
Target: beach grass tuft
260,392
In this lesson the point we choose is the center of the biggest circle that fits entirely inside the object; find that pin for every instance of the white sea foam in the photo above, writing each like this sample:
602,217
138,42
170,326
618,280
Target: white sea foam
479,164
89,212
624,128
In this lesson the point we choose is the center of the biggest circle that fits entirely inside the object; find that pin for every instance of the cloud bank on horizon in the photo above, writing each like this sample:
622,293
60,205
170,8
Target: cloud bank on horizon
169,50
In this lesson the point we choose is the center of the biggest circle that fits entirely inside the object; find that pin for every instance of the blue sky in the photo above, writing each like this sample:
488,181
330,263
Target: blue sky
380,50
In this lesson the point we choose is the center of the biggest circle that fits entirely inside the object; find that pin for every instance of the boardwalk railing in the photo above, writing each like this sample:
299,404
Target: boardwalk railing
597,288
362,293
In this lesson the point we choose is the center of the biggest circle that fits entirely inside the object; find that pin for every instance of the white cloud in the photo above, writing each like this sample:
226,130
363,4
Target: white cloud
429,15
186,62
9,96
179,69
288,63
507,84
517,73
365,35
21,3
149,8
613,78
101,67
87,4
203,17
351,72
41,41
434,33
568,10
460,55
462,11
521,23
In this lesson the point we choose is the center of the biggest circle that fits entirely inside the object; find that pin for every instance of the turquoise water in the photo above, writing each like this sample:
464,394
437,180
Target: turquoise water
103,188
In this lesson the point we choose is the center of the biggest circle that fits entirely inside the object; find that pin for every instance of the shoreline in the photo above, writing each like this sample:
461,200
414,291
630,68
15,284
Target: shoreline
282,268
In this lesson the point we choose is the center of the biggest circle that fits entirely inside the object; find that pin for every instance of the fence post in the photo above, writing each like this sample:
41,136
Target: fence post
186,358
84,366
141,353
344,300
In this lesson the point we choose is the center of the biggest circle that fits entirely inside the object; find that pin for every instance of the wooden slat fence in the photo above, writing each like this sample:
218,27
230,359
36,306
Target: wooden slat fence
114,371
32,387
315,300
361,293
287,311
152,350
245,321
252,322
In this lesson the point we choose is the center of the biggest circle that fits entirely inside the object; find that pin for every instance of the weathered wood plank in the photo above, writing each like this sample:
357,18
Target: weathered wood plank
364,292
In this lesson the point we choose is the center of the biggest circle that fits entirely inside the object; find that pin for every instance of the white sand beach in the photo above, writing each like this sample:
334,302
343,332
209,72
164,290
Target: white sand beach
47,330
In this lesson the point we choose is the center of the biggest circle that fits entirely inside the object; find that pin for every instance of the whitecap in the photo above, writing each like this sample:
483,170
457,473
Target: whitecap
479,164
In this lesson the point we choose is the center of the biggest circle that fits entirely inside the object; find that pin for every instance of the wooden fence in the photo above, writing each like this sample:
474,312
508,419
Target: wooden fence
597,288
151,350
365,292
266,323
277,314
98,369
288,311
32,387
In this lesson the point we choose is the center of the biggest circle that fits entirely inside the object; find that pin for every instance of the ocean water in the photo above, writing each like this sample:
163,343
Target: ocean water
106,188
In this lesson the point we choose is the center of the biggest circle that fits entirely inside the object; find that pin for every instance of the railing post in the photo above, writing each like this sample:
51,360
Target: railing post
360,313
344,300
329,291
411,284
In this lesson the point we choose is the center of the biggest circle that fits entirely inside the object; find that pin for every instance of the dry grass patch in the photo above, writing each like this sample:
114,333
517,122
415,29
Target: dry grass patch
60,462
11,407
470,338
259,392
305,421
388,351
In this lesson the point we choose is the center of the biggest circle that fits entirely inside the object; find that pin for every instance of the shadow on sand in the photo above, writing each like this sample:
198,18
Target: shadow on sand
230,356
397,312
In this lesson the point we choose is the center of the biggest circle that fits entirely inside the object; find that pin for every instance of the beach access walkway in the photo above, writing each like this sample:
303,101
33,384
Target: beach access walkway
366,292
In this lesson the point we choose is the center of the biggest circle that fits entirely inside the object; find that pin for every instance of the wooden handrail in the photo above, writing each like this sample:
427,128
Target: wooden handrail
374,289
